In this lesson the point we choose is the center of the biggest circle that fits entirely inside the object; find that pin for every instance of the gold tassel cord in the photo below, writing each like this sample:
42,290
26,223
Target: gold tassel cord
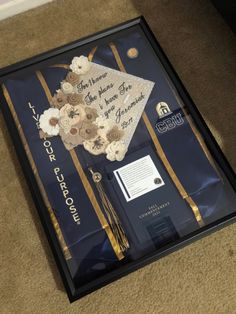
112,217
115,224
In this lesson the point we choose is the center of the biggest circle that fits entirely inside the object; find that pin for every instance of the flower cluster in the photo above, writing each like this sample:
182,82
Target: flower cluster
78,124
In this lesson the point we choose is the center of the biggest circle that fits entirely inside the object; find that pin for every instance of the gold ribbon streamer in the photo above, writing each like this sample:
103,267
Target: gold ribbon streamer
86,183
161,153
64,66
91,54
59,234
195,131
67,66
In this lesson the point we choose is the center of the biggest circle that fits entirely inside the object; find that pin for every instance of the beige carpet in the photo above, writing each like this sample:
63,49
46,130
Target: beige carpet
200,278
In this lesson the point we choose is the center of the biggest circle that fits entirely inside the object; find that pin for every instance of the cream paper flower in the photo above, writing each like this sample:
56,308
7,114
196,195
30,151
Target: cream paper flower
114,135
96,146
71,137
65,124
58,100
88,130
70,115
116,151
75,113
72,78
103,124
48,121
75,99
80,65
90,114
66,87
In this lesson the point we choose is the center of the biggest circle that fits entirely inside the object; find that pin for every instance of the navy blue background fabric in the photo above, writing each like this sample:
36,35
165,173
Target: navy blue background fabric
88,242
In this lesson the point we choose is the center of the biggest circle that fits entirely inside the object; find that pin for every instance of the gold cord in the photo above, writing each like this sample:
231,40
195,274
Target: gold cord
113,219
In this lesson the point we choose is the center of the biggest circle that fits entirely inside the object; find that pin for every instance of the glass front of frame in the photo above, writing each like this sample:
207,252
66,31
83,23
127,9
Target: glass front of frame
121,166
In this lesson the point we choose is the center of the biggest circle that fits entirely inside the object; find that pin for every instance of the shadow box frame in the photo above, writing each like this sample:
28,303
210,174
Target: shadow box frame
74,292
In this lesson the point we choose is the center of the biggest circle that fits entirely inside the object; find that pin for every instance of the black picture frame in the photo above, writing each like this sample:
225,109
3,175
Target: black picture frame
73,292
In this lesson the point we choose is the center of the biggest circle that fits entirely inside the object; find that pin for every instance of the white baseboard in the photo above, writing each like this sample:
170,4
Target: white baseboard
9,8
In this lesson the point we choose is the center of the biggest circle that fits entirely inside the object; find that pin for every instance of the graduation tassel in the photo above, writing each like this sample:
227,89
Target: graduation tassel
113,219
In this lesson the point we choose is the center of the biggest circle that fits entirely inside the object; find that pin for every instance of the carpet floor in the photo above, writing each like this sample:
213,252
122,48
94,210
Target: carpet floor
200,278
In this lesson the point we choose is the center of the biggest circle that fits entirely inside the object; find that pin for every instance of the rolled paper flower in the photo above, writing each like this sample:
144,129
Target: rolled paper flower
67,88
88,130
58,100
80,65
49,121
75,114
116,151
72,78
96,146
72,136
114,134
75,99
90,114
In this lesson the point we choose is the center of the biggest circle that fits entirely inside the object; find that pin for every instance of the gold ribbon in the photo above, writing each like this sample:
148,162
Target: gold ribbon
195,130
85,181
56,226
161,152
67,66
60,65
91,54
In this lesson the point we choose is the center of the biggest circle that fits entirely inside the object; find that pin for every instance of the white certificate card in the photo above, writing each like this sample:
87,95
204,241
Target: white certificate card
138,178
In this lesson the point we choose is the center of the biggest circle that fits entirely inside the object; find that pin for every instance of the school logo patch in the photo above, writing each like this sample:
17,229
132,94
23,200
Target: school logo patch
167,119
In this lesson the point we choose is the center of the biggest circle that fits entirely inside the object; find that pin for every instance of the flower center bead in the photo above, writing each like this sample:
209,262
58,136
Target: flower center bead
88,131
73,131
89,116
53,121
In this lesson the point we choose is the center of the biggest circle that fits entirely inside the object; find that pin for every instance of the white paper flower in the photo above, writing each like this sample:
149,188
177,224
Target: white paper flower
116,151
67,88
48,121
103,124
80,65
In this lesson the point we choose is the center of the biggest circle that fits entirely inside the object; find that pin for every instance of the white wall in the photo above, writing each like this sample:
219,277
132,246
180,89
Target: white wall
12,7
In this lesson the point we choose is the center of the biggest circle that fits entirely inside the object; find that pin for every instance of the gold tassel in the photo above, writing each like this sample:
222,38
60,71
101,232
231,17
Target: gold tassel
113,219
